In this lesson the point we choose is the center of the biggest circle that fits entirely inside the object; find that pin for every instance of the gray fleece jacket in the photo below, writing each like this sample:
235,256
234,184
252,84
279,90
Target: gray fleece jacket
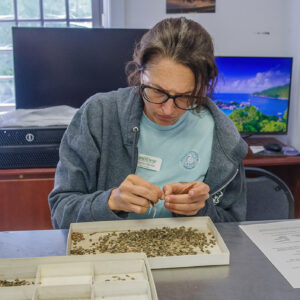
99,150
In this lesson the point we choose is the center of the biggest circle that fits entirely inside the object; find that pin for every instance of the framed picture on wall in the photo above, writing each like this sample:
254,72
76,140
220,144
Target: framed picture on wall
186,6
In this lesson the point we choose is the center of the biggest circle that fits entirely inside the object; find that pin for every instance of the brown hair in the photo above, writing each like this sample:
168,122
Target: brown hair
184,41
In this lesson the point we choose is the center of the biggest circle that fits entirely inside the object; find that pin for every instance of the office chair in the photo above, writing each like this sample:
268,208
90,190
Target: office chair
268,196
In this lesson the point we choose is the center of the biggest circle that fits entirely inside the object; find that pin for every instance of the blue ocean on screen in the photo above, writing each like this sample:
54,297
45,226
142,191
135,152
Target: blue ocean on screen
228,102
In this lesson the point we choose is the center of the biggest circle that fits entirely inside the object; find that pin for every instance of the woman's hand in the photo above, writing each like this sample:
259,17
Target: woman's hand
134,194
185,198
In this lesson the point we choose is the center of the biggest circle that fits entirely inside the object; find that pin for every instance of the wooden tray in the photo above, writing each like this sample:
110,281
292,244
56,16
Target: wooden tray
219,254
107,276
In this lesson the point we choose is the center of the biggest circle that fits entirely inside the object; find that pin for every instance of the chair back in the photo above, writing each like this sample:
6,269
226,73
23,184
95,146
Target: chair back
268,196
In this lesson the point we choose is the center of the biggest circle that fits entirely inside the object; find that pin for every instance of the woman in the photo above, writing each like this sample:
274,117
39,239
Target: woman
160,142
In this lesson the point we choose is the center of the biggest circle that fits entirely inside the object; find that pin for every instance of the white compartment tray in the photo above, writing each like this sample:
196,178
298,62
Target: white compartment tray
89,277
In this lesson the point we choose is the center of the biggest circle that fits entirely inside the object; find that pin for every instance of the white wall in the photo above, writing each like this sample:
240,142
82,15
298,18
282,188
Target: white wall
293,33
238,27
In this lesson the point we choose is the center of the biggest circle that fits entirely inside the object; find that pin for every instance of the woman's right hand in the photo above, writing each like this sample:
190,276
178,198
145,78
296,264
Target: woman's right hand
133,195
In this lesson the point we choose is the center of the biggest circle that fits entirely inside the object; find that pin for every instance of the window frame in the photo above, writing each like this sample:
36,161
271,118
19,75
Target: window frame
95,19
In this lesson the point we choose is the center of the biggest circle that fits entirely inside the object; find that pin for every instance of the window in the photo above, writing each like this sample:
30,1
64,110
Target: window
38,13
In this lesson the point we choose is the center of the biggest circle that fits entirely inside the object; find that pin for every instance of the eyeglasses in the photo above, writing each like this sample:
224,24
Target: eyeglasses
157,96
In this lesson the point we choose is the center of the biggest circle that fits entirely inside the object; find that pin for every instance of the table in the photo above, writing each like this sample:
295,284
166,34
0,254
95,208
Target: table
250,275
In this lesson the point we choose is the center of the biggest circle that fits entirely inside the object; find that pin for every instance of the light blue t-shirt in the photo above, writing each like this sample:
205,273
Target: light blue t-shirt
184,149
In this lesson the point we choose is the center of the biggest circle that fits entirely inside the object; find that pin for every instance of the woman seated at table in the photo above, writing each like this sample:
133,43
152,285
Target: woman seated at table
160,142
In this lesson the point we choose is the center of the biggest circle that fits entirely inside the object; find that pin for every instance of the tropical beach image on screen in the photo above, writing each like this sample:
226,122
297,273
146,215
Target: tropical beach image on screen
254,92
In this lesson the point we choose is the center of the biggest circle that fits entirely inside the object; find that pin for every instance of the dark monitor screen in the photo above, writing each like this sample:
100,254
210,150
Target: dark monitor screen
65,66
255,92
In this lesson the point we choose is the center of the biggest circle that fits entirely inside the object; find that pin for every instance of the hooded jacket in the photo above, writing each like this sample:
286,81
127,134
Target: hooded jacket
99,150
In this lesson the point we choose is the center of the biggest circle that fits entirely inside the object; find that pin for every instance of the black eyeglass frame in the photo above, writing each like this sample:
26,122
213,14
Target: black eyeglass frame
144,95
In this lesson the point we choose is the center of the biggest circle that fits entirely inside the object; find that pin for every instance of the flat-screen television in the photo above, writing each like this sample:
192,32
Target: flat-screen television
255,92
65,66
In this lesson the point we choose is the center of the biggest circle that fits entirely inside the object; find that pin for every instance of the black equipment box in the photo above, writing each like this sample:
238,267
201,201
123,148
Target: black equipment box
36,147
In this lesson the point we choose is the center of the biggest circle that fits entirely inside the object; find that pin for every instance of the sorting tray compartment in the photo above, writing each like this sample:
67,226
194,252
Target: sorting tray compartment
219,254
89,277
65,273
63,292
131,291
123,271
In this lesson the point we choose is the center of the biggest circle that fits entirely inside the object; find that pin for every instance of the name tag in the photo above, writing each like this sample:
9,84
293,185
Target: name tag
149,162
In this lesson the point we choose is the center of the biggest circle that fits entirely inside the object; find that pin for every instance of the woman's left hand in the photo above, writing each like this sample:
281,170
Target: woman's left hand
185,198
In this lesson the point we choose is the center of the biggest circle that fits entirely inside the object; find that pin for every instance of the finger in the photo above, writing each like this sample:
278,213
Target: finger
186,198
179,187
185,213
174,188
199,189
143,188
139,201
195,197
125,200
137,209
180,199
167,189
144,192
185,207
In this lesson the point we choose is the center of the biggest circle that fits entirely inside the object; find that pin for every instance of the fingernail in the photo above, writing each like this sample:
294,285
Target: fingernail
167,204
191,193
167,198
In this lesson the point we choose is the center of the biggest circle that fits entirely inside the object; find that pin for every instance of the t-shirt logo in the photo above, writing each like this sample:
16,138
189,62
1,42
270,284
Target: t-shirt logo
190,160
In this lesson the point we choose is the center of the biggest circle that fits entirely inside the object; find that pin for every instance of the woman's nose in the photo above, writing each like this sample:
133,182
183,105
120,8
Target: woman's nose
168,107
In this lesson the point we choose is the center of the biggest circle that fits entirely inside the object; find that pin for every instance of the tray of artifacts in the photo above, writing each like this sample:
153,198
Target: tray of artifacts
167,242
89,277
